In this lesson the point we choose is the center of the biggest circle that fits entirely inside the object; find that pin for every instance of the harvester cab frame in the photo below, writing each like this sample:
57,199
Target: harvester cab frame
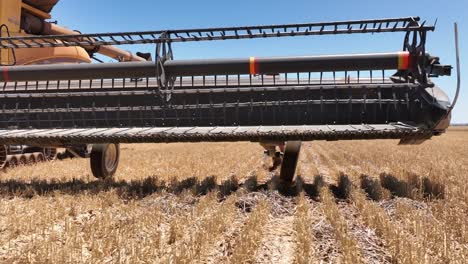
276,101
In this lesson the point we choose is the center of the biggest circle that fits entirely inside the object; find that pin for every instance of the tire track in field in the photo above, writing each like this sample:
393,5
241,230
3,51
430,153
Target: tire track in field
278,242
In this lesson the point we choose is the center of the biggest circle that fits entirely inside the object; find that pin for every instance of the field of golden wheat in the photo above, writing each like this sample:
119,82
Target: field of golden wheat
352,202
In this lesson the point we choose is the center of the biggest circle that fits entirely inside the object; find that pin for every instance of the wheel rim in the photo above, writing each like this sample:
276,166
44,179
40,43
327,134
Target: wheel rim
110,157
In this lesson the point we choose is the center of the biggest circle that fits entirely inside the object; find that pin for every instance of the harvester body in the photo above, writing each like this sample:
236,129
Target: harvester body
27,18
273,100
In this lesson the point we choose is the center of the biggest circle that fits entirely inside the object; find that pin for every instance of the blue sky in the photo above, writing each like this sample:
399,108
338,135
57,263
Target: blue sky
118,15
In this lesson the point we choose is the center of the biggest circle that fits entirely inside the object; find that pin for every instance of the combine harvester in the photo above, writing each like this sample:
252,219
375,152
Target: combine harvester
277,101
25,18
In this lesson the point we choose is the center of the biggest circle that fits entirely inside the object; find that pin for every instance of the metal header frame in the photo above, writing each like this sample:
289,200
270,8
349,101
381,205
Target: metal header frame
406,24
340,92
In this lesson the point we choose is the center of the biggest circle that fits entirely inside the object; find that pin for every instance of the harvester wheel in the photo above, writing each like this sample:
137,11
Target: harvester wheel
23,160
3,156
13,161
104,160
290,158
31,159
50,153
39,157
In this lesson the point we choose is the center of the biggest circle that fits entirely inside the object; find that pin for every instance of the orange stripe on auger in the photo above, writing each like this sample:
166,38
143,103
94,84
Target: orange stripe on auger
253,66
404,62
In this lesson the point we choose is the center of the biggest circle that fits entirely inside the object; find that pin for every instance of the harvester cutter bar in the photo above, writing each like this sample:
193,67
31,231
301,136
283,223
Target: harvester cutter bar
64,137
406,24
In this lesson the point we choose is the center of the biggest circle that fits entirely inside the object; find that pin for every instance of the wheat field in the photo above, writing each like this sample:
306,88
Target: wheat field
352,202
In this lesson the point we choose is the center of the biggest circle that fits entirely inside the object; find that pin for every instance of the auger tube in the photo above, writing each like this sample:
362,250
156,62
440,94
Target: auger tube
269,65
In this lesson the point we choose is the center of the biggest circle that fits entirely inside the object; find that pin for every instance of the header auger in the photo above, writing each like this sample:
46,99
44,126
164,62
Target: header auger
276,101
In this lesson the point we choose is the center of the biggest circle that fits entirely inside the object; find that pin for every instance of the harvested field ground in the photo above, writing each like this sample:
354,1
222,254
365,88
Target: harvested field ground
353,202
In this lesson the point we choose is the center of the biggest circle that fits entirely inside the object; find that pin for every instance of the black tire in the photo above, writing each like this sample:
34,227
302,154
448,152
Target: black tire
3,156
104,160
22,160
290,158
39,157
31,159
13,161
50,153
